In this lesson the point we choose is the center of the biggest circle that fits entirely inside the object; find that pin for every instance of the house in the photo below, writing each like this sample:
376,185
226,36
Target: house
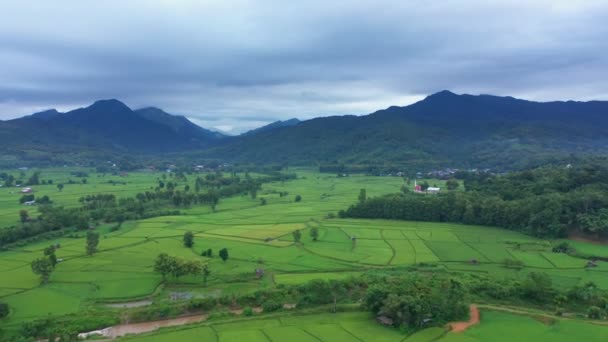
386,321
29,203
433,190
26,190
417,187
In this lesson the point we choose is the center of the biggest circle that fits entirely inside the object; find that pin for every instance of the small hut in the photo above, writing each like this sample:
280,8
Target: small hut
385,320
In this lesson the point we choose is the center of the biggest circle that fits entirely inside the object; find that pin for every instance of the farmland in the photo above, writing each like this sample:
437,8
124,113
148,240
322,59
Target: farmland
494,326
260,236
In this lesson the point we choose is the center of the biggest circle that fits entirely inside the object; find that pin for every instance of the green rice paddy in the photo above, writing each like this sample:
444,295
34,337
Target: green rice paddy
261,236
358,326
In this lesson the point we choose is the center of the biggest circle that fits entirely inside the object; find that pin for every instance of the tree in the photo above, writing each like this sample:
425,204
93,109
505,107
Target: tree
297,235
214,199
92,242
314,233
60,186
224,254
50,253
188,239
34,179
163,264
425,185
206,273
23,215
298,198
337,289
263,201
537,286
4,310
452,184
43,268
362,195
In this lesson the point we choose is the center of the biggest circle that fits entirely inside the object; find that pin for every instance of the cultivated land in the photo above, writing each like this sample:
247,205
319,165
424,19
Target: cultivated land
495,326
261,236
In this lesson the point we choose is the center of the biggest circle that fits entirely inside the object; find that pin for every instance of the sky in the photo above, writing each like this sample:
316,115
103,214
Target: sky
236,65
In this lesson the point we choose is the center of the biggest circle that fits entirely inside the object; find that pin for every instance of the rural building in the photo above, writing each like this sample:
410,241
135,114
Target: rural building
26,190
433,190
29,203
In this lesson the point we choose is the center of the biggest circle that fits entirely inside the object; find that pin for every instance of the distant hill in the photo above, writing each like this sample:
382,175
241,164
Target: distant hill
444,129
274,125
107,125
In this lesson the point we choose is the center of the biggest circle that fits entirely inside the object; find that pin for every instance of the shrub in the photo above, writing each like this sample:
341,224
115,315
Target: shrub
271,306
510,263
201,304
298,198
3,310
594,312
248,311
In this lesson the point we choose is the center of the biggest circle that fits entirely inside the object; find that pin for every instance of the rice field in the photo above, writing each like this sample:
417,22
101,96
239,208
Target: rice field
359,326
258,236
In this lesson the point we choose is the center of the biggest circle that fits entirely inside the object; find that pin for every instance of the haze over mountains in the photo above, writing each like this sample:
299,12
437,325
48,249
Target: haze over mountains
444,129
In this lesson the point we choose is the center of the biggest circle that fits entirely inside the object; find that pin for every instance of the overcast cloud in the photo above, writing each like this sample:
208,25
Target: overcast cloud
236,65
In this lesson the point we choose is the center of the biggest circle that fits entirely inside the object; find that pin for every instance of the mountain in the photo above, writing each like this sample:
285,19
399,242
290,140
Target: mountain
107,125
274,125
178,123
443,130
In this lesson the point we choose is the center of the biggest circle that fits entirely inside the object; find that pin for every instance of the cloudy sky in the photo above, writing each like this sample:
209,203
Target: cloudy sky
236,65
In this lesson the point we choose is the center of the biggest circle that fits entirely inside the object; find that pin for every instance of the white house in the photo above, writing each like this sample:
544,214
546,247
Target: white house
433,190
29,203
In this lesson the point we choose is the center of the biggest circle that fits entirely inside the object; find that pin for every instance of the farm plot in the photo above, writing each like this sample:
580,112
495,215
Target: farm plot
498,326
356,326
454,251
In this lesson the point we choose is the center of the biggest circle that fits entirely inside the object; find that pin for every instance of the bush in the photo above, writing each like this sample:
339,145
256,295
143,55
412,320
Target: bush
298,198
202,304
271,306
248,311
3,310
510,263
595,312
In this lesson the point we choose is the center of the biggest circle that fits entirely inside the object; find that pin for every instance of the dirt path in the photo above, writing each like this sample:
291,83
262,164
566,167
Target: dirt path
473,320
135,304
588,239
140,328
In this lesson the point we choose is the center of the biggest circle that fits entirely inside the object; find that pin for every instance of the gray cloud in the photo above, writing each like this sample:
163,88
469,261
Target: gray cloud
235,65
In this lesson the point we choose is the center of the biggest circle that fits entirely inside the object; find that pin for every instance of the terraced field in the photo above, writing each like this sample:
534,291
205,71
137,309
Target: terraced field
261,236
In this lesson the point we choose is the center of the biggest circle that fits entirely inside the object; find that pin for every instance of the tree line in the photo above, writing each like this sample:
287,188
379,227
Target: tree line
545,202
108,208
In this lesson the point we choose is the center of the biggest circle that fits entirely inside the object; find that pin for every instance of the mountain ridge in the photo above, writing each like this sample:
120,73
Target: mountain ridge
443,129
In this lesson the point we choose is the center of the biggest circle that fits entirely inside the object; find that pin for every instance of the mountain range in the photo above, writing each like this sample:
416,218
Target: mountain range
444,129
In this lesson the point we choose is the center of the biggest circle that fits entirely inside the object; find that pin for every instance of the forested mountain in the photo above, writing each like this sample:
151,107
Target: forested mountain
107,125
274,125
444,129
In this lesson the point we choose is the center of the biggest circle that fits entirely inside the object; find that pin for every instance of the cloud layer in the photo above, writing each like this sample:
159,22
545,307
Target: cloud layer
235,65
